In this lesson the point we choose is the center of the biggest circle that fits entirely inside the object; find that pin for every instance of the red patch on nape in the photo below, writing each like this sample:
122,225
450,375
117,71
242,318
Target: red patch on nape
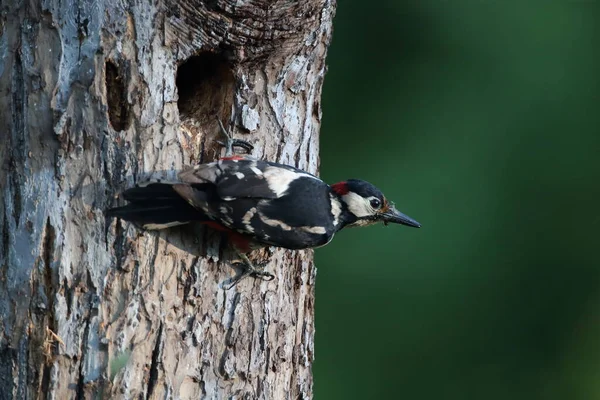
341,188
232,158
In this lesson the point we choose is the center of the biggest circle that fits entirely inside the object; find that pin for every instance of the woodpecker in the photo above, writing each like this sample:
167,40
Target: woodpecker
258,203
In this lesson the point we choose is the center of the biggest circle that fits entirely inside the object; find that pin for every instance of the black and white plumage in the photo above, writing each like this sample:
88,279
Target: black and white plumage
275,204
259,203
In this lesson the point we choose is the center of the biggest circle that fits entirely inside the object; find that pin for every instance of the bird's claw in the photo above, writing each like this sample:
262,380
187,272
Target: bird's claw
263,275
235,280
250,270
230,143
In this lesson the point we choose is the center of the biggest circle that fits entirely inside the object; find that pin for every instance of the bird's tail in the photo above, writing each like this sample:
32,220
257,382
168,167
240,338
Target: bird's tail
155,206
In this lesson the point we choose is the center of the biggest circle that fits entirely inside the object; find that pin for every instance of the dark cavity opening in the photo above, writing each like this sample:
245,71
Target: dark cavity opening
119,112
206,85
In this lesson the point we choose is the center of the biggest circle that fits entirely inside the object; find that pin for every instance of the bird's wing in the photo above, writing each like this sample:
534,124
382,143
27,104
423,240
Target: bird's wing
244,178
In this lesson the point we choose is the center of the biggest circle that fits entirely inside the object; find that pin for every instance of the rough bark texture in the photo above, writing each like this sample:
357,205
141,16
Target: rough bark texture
96,96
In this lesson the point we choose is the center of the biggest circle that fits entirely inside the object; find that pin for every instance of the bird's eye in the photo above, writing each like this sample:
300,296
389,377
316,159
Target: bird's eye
375,203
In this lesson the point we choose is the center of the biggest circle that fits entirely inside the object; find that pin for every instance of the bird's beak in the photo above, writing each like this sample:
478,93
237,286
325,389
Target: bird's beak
396,217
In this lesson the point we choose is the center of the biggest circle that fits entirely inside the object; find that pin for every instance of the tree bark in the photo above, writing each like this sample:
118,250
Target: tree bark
97,96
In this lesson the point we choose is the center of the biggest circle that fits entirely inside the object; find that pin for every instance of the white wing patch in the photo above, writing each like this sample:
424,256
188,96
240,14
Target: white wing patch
201,173
257,171
247,218
274,222
317,230
279,179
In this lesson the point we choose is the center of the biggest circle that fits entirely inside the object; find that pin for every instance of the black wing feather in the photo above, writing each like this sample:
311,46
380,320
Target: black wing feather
247,187
157,204
303,208
237,178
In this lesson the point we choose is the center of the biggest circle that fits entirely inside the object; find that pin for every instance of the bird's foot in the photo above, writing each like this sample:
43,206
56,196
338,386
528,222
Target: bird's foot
249,269
230,142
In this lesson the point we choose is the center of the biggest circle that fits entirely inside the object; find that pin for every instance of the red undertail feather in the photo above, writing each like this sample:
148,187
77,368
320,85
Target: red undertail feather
216,226
230,158
241,242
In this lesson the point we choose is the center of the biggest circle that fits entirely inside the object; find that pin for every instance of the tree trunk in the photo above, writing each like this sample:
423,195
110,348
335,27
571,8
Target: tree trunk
95,97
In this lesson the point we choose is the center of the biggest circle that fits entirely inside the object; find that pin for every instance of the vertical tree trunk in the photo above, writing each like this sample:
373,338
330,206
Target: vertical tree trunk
96,96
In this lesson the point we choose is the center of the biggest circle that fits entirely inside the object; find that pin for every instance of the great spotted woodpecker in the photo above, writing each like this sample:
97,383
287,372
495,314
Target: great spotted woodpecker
258,203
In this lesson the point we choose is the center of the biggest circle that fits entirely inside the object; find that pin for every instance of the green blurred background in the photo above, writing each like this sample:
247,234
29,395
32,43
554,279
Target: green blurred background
482,121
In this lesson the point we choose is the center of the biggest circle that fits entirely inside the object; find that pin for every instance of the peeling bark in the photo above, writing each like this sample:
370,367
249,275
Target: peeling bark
95,97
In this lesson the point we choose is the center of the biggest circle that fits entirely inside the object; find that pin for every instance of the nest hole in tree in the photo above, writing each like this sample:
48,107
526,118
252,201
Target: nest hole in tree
205,84
119,113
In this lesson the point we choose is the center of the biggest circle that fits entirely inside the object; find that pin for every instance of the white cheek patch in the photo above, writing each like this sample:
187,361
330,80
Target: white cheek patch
357,205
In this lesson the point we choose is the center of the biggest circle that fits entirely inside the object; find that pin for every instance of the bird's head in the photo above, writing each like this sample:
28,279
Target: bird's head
366,205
